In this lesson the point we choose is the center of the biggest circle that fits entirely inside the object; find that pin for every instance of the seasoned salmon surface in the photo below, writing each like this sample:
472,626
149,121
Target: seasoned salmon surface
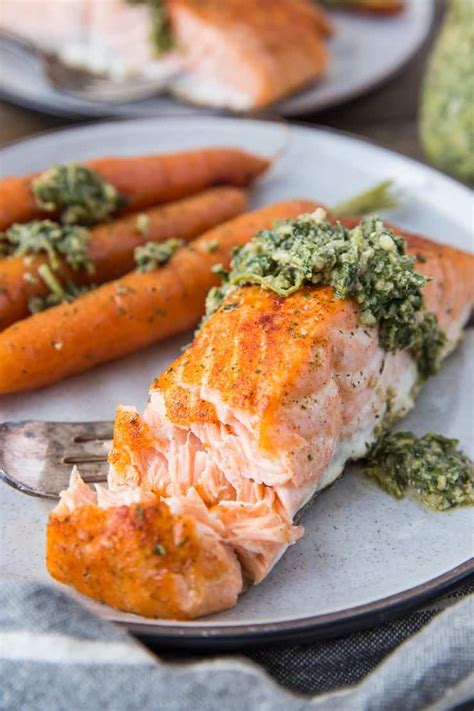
261,412
128,550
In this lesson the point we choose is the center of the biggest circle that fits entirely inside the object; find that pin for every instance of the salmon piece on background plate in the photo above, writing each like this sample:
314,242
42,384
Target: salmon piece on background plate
248,54
240,54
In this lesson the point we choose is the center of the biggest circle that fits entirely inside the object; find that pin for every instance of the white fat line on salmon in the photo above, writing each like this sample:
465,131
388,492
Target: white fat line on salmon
58,648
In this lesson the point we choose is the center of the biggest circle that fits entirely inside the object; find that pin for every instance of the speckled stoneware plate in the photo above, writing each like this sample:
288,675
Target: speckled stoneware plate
365,556
365,50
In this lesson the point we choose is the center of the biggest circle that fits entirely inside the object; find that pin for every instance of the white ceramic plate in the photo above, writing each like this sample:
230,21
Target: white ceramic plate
365,50
365,556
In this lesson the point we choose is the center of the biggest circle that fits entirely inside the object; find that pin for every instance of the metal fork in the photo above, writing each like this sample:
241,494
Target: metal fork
37,457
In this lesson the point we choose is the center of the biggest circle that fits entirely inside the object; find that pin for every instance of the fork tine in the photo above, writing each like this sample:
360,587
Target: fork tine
86,459
36,457
88,451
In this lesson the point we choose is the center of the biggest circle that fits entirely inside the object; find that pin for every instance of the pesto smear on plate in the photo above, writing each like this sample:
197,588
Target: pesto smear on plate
368,263
431,467
78,194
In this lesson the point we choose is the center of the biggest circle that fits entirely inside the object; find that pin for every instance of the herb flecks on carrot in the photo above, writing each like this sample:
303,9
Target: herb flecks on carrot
110,248
155,254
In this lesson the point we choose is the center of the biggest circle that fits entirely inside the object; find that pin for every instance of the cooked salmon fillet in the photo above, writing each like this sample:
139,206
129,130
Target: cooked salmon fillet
245,54
260,413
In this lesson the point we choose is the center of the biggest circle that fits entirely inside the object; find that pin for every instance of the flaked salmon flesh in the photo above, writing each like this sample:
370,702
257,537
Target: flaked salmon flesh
259,414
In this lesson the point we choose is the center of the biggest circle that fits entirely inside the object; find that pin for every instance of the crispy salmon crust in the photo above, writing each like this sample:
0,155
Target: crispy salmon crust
143,559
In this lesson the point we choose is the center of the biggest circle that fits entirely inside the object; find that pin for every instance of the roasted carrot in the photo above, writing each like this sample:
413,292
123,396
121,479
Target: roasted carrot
130,313
144,180
111,246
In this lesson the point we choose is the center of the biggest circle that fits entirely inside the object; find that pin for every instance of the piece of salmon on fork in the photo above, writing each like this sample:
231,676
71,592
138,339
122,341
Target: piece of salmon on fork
275,395
127,548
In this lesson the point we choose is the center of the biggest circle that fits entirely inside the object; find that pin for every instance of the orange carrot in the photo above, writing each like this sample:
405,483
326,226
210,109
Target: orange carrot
127,314
144,180
111,246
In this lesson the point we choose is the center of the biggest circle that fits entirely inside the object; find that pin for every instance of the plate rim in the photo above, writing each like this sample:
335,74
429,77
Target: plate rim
105,122
50,108
305,629
219,635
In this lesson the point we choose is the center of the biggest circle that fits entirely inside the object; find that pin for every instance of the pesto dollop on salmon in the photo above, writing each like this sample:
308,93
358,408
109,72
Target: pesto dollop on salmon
368,263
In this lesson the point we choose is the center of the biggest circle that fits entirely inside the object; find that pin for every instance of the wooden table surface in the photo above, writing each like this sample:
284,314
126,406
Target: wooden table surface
386,115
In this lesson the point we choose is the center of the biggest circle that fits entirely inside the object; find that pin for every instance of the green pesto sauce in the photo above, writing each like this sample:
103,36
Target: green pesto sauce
50,238
430,467
368,263
59,292
77,193
154,254
161,35
446,112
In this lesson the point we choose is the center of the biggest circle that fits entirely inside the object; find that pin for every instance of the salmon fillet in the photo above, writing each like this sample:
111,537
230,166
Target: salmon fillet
259,414
245,54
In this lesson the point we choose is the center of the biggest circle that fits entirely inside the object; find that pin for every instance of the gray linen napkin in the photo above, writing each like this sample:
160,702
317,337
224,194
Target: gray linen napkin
330,664
56,655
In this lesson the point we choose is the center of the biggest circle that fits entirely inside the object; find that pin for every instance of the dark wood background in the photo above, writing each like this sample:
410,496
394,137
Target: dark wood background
386,115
